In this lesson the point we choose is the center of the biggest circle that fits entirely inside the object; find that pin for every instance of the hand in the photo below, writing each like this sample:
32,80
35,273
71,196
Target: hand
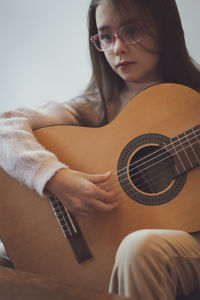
79,192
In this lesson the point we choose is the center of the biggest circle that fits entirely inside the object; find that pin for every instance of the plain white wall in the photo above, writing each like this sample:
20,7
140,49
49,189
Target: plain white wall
44,51
44,48
189,11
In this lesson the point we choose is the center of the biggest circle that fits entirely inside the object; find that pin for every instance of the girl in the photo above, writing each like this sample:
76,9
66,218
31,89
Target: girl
134,44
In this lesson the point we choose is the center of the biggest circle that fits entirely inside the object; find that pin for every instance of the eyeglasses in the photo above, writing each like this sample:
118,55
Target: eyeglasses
105,41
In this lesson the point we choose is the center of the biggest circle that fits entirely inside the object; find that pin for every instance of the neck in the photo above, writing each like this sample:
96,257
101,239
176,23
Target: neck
129,91
132,88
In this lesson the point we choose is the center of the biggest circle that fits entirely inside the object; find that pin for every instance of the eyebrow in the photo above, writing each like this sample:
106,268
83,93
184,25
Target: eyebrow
103,28
128,22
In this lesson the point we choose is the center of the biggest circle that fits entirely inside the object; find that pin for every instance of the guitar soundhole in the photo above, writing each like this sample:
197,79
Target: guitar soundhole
151,169
146,171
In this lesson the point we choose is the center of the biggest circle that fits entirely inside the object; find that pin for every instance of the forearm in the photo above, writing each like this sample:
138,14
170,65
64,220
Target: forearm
20,154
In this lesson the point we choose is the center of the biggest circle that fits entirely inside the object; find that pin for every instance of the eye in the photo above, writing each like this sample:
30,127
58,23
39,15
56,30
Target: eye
105,37
131,34
131,31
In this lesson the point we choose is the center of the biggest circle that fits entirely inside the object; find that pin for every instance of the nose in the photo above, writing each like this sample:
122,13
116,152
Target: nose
119,46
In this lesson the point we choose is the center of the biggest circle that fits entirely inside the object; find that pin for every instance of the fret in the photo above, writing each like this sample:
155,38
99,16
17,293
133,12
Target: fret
185,150
179,166
178,144
196,145
192,142
184,144
186,155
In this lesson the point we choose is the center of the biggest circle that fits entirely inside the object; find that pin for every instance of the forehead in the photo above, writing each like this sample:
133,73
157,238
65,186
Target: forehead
116,14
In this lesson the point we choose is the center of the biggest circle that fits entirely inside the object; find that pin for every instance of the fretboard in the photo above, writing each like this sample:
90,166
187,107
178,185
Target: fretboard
185,150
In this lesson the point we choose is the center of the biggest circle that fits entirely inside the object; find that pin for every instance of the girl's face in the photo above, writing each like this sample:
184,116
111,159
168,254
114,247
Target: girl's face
138,62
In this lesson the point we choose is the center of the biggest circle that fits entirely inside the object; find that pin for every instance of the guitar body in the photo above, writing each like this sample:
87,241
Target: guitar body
28,227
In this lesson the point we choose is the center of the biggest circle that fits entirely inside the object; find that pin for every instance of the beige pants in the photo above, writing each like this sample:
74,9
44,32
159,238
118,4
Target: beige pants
4,260
157,265
152,265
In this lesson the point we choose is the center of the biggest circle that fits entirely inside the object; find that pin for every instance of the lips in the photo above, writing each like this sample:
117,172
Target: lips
124,64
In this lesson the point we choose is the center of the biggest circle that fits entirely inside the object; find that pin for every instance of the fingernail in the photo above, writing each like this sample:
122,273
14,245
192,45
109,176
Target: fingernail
108,173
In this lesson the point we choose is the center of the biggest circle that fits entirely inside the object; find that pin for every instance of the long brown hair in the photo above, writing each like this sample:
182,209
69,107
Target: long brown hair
176,64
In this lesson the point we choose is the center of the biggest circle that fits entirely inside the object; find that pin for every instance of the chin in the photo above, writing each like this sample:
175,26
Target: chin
136,79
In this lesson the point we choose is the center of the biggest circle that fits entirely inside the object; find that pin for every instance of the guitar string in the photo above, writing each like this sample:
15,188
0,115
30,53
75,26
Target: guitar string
185,161
54,200
134,192
135,175
154,157
167,145
157,151
163,148
159,180
67,220
137,172
140,186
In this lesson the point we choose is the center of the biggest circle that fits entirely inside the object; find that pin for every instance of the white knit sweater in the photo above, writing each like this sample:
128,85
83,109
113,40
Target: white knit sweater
20,153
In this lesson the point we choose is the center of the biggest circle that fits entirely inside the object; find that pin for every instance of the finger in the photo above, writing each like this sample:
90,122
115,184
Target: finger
103,207
105,196
78,207
99,178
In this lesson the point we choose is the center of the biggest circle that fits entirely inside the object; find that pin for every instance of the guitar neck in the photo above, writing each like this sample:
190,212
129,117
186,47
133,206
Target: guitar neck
185,149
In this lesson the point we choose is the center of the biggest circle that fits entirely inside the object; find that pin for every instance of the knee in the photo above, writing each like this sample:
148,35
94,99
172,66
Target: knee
4,260
141,246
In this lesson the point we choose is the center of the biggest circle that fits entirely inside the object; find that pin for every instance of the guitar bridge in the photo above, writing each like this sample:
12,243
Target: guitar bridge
71,230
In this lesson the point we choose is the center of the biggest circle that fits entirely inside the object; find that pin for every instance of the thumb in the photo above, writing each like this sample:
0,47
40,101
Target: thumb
100,178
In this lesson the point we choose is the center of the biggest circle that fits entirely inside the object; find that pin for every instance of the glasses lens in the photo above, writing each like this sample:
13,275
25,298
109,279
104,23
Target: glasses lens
97,43
130,34
104,41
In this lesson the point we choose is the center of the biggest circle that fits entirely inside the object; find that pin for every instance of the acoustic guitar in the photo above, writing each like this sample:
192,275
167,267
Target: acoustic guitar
153,149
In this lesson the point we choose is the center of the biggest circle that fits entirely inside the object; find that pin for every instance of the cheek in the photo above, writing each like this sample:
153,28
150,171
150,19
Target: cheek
149,62
109,55
150,44
149,51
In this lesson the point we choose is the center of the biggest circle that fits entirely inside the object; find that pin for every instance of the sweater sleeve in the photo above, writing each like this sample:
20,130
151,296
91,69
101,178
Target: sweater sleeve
21,155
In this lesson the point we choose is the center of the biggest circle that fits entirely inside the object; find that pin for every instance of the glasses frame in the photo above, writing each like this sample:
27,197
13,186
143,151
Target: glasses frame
115,35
